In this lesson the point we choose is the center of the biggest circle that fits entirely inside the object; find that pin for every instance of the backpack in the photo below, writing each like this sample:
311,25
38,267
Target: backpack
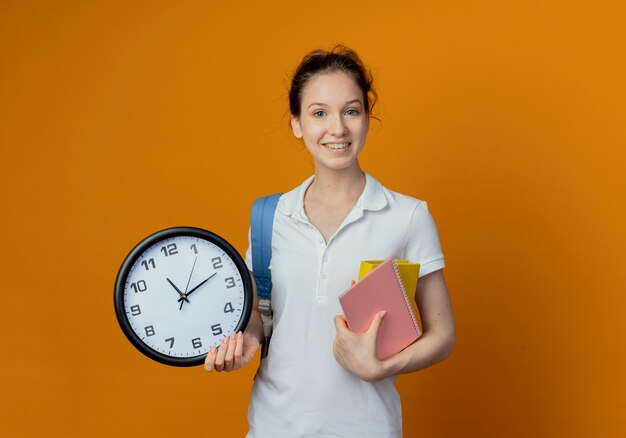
261,227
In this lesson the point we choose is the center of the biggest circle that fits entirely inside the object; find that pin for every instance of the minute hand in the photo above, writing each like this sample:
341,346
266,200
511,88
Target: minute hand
198,286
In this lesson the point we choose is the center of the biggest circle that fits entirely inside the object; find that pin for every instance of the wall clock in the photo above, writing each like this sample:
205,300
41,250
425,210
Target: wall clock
179,292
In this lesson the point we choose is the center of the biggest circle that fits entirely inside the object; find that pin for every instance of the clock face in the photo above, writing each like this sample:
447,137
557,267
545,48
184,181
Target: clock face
180,292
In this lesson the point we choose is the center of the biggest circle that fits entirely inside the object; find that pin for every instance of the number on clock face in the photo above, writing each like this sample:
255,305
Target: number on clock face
183,295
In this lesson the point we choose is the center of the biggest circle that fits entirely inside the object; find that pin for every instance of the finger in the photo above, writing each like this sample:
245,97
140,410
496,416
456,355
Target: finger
230,352
341,324
209,362
250,348
221,353
238,360
376,322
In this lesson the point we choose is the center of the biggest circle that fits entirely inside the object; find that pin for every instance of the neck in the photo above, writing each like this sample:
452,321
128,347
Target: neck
338,185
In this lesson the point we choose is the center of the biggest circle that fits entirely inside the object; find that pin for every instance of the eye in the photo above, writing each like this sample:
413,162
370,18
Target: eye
319,113
352,112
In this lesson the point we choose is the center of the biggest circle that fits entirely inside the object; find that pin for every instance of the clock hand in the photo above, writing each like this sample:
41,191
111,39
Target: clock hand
198,286
190,275
185,294
182,295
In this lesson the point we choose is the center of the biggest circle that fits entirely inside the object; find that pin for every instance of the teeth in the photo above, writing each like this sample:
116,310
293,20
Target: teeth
337,145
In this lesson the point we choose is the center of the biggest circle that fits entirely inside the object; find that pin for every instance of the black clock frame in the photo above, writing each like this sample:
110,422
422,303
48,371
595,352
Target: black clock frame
130,260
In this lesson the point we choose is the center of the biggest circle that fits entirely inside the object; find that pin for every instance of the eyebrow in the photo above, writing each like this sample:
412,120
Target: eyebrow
323,104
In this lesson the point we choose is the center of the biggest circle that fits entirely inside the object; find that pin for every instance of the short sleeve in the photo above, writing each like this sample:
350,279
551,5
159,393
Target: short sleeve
422,241
249,252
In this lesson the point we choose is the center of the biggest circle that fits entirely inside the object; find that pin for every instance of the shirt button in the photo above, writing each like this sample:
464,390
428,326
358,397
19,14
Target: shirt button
325,259
324,277
321,240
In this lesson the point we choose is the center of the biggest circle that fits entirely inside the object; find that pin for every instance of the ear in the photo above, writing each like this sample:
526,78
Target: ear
295,126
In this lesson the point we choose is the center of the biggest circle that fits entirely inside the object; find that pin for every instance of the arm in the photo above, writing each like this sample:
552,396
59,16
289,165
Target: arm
238,349
357,353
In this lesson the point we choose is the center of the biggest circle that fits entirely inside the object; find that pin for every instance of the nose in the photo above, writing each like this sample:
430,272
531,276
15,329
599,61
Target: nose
338,126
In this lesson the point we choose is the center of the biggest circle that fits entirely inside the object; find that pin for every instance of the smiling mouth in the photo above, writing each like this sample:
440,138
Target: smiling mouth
336,146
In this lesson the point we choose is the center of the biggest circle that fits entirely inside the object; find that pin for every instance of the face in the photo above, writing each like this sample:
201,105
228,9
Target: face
332,123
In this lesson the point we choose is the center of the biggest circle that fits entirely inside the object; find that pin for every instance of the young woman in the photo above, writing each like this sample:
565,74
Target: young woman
320,379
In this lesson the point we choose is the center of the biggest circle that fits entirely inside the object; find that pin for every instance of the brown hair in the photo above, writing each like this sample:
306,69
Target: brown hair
339,58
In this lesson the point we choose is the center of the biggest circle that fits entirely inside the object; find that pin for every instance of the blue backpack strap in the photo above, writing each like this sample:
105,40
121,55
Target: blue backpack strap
261,228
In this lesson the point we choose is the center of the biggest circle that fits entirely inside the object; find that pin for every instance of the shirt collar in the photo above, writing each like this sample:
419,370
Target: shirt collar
373,198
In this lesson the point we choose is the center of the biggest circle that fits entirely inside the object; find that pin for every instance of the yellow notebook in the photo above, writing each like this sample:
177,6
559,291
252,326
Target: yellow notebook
409,273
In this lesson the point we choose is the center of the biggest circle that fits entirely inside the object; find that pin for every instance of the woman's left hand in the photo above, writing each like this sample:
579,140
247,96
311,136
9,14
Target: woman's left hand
357,353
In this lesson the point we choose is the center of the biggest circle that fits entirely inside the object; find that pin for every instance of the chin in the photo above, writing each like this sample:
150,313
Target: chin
337,164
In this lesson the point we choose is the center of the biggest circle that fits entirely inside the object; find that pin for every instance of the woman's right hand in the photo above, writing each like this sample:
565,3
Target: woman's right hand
235,351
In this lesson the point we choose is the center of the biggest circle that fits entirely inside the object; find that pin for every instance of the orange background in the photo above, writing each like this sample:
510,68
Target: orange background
122,118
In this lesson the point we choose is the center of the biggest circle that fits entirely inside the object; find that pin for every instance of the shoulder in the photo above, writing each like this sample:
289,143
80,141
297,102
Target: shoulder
292,202
407,212
403,203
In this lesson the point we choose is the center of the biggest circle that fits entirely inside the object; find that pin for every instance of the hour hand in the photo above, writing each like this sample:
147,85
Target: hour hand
182,295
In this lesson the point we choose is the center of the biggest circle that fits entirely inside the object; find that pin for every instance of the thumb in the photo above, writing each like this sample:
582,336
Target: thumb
376,322
341,324
250,346
249,353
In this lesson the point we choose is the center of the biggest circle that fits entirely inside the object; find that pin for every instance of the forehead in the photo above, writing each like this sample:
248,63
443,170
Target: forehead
331,88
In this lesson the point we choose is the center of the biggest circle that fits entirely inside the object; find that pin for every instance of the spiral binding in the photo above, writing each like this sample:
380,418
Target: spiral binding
406,298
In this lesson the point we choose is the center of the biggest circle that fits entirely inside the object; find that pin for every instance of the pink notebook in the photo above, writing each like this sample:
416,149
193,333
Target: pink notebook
382,289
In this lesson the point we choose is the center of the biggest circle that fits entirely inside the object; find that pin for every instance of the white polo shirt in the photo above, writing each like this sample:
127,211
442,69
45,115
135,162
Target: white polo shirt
300,390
